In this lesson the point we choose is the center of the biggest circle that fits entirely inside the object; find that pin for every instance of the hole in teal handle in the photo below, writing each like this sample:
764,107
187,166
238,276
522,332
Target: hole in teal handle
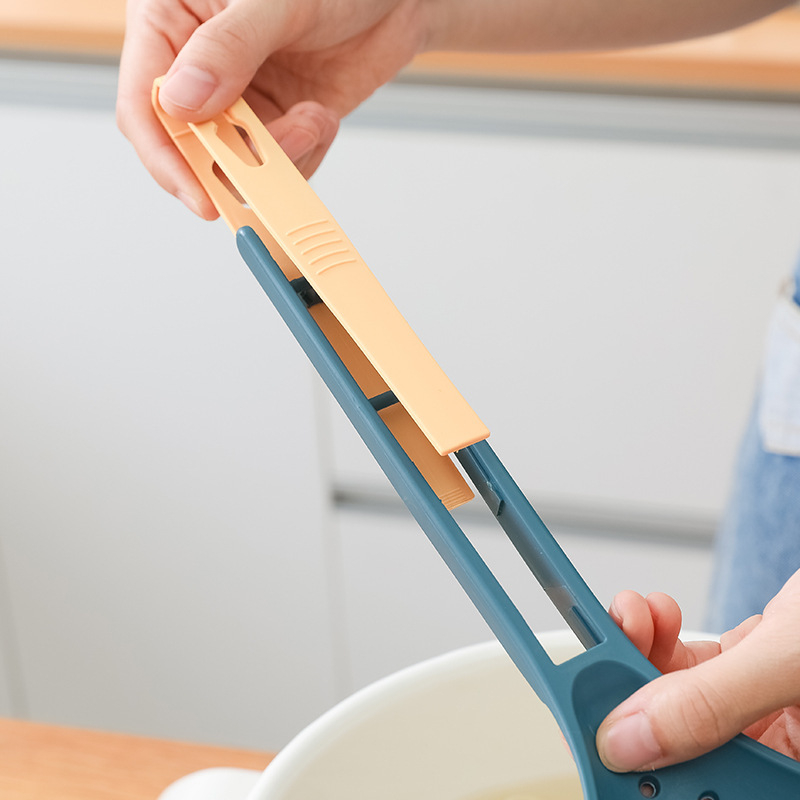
648,786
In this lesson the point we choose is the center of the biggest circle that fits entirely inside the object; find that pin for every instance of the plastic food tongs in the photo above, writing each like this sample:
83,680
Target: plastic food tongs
412,419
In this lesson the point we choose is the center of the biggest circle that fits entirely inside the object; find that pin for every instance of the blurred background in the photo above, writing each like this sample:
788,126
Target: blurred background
193,543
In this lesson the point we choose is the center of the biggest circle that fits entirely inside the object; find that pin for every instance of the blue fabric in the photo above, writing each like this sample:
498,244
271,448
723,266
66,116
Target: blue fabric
758,544
797,283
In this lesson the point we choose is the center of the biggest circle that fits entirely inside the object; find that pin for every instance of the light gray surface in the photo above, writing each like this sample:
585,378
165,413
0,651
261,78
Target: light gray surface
402,605
419,105
601,305
173,561
162,510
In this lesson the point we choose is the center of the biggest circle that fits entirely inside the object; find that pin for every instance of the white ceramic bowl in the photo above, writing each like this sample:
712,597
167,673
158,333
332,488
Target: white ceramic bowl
463,726
456,727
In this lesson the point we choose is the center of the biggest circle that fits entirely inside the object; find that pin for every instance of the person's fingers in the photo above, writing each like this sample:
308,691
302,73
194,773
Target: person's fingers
163,161
653,625
744,629
666,616
212,69
147,53
689,712
222,55
690,654
305,133
631,612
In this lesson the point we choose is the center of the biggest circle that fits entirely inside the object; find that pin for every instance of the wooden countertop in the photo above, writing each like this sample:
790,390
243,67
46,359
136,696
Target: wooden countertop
760,58
92,27
47,762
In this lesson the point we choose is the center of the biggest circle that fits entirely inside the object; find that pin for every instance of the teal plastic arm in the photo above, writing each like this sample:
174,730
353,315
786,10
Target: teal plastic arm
581,691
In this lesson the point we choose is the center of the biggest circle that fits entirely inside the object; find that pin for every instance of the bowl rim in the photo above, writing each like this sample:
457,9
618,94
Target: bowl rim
367,701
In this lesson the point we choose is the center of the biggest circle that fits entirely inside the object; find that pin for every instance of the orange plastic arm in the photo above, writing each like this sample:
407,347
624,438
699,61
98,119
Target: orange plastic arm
252,182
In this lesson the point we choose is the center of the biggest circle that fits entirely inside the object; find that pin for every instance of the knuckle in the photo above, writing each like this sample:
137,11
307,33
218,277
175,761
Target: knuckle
701,717
232,36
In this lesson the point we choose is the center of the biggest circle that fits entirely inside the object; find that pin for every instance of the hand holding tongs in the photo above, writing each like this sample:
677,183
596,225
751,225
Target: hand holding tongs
412,418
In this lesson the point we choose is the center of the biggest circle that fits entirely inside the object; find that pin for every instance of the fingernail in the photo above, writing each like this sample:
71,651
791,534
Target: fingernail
629,744
297,143
188,87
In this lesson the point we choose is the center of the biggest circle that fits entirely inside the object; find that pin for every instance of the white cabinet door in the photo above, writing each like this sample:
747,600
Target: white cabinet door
402,605
596,279
173,563
162,509
595,275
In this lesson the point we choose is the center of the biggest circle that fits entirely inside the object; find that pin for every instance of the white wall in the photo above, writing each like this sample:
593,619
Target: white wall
600,302
162,509
594,274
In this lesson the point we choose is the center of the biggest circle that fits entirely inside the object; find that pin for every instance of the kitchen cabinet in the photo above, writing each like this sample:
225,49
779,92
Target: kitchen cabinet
597,290
596,275
193,543
401,605
162,511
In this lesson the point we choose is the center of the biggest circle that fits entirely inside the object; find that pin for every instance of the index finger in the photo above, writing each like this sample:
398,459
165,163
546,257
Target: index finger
147,53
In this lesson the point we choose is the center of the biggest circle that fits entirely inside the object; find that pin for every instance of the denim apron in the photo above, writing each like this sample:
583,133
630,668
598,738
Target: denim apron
758,544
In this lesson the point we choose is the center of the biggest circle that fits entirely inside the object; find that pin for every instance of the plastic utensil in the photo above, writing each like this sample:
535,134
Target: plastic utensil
579,692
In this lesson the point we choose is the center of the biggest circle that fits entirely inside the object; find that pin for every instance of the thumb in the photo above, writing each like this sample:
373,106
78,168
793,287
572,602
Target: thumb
684,714
219,60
